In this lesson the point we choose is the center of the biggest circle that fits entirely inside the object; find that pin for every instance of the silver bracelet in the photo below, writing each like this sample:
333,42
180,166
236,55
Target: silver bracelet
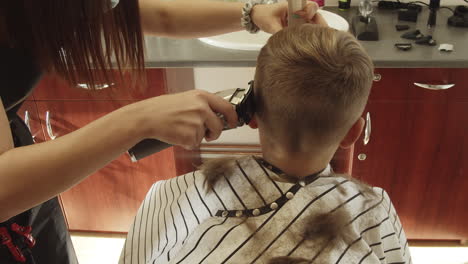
246,20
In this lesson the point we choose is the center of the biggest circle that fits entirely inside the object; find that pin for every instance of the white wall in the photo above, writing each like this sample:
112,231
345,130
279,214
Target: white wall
217,79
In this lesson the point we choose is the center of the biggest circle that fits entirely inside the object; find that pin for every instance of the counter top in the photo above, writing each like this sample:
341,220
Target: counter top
163,52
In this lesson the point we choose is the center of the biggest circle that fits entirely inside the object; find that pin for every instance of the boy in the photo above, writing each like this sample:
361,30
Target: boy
311,86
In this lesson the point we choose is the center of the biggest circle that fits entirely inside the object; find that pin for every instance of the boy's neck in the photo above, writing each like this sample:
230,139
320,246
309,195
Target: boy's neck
298,164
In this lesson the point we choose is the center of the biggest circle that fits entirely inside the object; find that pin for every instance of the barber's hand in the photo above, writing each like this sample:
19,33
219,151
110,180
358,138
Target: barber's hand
310,14
272,18
186,118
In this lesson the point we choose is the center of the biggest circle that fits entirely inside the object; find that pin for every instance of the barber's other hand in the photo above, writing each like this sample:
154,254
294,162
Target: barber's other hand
272,18
184,119
310,14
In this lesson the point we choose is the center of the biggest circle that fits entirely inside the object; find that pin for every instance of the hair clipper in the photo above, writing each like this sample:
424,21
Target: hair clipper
243,101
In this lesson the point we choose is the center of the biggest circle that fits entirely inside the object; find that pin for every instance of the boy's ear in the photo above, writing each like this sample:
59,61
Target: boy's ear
253,123
353,134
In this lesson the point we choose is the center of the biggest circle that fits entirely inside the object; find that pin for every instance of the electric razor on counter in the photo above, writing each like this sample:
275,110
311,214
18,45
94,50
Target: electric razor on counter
243,101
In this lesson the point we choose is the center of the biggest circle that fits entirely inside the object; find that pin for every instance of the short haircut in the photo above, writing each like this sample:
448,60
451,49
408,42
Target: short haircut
312,82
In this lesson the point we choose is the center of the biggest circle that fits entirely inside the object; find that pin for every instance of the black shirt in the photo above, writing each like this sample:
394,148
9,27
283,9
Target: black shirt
18,76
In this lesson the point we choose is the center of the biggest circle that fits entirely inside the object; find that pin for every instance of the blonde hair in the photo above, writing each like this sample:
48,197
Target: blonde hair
312,82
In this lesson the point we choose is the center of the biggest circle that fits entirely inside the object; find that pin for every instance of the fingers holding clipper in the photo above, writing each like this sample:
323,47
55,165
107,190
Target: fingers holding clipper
223,107
214,126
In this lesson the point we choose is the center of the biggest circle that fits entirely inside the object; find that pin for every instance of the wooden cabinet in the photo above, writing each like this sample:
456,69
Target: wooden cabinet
52,87
108,200
418,150
28,112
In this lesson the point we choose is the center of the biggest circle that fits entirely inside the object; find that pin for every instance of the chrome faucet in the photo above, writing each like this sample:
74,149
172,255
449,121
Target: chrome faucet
365,9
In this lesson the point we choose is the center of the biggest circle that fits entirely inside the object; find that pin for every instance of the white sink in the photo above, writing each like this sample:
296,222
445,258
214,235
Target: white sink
243,40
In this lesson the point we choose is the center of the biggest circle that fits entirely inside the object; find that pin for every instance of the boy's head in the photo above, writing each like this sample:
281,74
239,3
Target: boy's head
311,87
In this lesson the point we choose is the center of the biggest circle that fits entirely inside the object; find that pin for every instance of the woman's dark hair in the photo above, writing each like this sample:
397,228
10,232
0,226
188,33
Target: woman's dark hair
78,39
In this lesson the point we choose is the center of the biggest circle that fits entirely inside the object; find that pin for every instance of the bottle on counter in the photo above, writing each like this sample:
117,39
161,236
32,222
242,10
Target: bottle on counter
344,4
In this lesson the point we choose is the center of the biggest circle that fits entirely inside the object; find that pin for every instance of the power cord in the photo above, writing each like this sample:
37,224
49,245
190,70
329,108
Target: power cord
442,7
420,2
392,5
445,7
414,7
397,5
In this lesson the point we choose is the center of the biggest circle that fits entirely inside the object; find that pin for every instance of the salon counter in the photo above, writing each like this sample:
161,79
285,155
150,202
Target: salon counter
163,52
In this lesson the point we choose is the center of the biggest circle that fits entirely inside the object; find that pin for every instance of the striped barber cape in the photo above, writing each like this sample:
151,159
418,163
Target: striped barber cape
253,215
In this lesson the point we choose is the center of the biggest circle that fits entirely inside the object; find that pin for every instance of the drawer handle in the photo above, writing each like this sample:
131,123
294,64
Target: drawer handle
27,122
362,157
435,86
97,86
377,77
50,132
368,129
26,119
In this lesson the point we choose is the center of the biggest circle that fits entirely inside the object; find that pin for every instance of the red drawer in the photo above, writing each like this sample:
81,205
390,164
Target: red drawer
421,84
